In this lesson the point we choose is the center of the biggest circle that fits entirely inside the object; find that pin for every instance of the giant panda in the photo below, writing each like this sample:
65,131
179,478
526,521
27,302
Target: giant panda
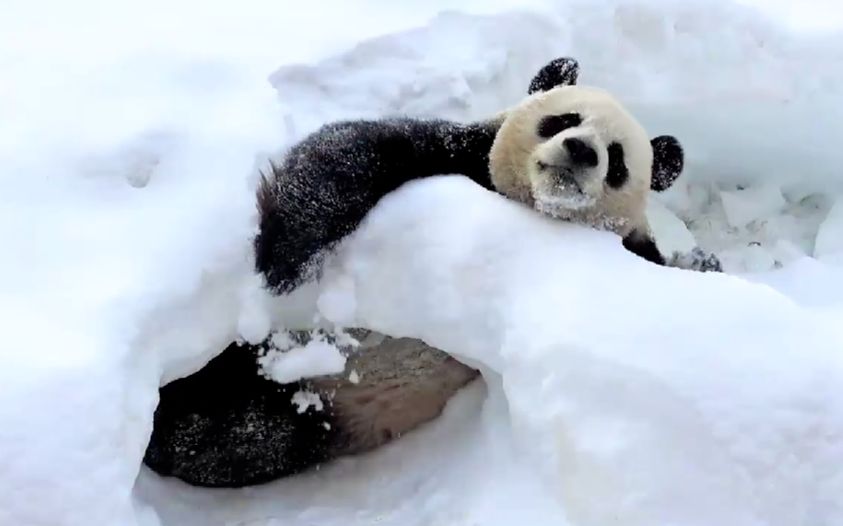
568,151
329,181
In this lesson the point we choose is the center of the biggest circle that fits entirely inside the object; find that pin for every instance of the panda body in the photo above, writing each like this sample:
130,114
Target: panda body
256,430
536,152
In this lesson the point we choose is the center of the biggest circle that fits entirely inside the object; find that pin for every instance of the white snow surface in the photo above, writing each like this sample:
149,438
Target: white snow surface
131,135
316,357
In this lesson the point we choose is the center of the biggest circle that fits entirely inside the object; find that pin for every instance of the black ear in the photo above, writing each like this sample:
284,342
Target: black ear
558,72
668,161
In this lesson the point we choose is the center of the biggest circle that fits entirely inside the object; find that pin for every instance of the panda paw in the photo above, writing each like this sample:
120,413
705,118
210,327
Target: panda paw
562,71
697,260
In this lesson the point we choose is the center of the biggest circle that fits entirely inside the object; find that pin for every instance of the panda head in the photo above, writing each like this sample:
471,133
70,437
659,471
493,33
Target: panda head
574,152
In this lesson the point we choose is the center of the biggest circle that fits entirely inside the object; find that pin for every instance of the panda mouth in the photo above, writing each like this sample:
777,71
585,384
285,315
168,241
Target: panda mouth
562,178
561,191
566,182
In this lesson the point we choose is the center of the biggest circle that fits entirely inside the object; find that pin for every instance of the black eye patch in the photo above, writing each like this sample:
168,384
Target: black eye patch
553,124
617,175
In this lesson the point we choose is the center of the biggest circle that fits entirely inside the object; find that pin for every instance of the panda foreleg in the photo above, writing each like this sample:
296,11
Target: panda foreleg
642,244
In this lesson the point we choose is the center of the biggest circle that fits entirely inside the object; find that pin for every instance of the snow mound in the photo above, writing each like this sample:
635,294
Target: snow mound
829,243
593,366
614,390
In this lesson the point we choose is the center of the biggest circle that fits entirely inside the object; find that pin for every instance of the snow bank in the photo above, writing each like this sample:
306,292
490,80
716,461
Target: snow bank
128,157
655,395
750,100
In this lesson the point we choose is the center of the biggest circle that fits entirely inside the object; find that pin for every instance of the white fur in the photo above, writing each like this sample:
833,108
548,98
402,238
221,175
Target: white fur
518,149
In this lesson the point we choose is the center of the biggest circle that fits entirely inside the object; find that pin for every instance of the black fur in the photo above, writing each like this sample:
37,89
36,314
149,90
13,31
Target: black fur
643,245
668,162
329,182
696,259
227,426
559,72
617,174
581,153
553,124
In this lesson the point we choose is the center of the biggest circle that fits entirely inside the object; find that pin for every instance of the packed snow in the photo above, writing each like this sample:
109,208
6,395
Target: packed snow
286,362
131,140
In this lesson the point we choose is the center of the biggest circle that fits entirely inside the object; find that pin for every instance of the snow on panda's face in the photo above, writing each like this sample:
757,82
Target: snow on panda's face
574,152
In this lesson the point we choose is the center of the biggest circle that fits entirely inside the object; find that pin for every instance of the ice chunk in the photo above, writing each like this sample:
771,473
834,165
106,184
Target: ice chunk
757,202
305,399
785,251
670,232
317,357
758,258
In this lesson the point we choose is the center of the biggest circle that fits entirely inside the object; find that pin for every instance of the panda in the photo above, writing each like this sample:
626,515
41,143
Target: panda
568,151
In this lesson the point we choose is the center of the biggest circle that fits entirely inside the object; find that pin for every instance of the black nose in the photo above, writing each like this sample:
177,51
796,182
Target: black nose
580,152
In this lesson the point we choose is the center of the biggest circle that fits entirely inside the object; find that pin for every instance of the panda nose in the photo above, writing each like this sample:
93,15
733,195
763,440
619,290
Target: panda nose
580,153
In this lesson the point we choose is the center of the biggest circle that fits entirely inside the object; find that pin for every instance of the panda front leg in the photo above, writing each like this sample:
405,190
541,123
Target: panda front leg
643,245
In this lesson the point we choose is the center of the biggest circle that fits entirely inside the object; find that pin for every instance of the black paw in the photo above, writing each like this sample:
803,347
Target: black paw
697,260
558,72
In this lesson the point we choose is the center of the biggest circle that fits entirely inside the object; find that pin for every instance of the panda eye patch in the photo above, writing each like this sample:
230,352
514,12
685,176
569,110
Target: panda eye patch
617,174
553,124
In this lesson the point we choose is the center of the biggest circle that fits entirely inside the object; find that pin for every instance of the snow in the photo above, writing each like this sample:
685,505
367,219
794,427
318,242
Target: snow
589,385
747,205
829,243
290,364
671,233
131,140
304,399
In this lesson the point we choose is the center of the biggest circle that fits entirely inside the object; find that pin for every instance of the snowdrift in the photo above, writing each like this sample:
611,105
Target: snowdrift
614,390
595,363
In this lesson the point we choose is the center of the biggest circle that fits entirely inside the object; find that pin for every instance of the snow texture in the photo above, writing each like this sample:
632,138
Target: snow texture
289,364
615,391
304,399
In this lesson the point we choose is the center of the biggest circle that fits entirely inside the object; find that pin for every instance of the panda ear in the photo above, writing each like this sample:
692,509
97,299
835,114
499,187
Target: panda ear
558,72
668,161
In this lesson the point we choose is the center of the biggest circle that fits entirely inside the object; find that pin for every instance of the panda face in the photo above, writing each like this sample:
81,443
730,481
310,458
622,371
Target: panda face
574,152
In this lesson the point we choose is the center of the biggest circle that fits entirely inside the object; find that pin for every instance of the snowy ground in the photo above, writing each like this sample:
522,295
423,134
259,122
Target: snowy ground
130,141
